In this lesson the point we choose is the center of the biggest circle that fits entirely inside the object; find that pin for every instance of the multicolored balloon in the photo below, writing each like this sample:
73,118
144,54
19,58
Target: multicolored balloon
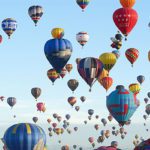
82,38
57,33
35,12
52,75
9,25
132,55
90,69
83,3
121,104
72,100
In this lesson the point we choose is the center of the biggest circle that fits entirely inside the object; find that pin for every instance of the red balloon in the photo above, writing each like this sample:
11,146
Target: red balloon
132,55
1,39
125,19
40,106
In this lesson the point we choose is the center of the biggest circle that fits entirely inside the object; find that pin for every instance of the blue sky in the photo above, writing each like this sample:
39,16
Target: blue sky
24,65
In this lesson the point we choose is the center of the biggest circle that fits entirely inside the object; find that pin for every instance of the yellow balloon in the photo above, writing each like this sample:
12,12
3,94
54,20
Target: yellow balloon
104,73
134,88
108,60
57,33
127,3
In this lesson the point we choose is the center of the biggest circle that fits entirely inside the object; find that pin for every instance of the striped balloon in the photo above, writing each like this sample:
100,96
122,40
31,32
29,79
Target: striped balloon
121,104
9,25
24,136
83,3
52,75
90,69
132,55
82,38
11,101
107,82
35,12
58,52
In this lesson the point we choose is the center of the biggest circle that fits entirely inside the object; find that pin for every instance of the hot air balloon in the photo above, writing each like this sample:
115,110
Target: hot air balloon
110,117
63,72
69,67
132,55
9,25
68,116
58,52
72,100
49,120
108,60
77,108
57,33
147,109
11,101
90,112
127,3
82,38
91,139
90,69
66,147
146,100
107,82
36,92
73,84
83,3
121,104
83,98
35,119
40,106
104,121
140,79
2,98
78,60
100,139
96,126
125,19
35,12
24,136
1,38
52,75
135,88
54,125
103,74
145,145
117,53
149,55
75,128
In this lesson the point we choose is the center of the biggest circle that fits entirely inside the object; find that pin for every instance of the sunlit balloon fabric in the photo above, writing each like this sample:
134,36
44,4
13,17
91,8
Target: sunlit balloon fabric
35,12
90,69
127,3
57,33
24,136
121,104
83,3
108,60
9,25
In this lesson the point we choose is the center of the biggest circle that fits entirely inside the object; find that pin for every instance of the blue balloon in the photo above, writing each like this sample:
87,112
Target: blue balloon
9,25
58,52
24,136
121,104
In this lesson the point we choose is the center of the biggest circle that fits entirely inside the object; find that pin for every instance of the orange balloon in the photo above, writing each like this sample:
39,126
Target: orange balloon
107,82
127,3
